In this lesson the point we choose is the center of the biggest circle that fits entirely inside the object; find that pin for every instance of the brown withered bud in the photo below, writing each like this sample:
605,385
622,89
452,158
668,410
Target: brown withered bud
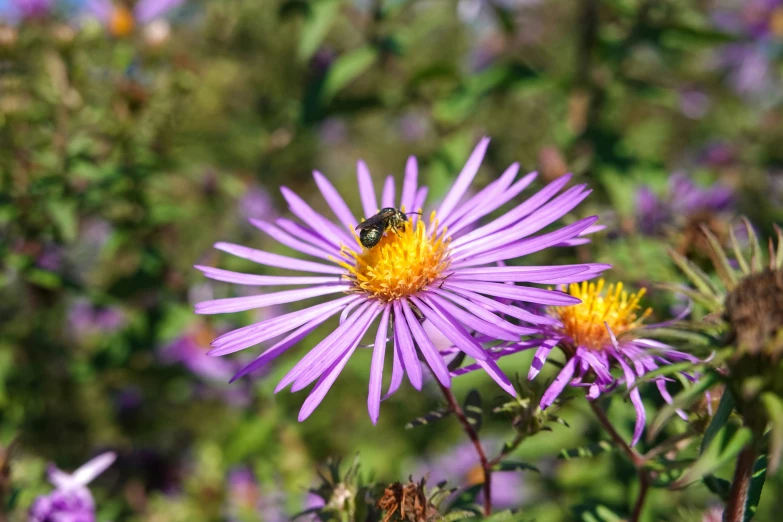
551,163
692,239
754,311
407,502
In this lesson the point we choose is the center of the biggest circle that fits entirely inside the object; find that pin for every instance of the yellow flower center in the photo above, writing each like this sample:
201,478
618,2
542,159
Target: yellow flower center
121,22
402,263
586,322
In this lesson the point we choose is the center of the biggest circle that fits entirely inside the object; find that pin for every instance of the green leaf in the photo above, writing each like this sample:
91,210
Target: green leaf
587,451
64,216
719,420
722,266
428,418
756,485
346,69
682,400
321,17
719,486
774,406
697,277
724,447
514,465
669,369
473,410
459,514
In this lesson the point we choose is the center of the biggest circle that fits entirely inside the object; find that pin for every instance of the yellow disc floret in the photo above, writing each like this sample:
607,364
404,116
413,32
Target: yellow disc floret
586,322
404,262
121,22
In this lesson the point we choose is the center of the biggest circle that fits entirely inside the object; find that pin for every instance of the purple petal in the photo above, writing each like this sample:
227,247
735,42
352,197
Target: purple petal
268,259
323,385
505,332
241,304
464,180
543,217
519,274
539,358
526,246
330,347
303,211
398,371
335,201
307,234
279,348
376,368
498,376
519,212
84,475
259,332
409,357
409,185
486,196
431,355
387,198
450,328
559,384
512,311
521,293
260,280
485,314
421,197
366,190
286,239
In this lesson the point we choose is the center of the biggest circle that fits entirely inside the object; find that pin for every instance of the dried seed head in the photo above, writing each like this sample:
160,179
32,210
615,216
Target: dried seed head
407,502
754,310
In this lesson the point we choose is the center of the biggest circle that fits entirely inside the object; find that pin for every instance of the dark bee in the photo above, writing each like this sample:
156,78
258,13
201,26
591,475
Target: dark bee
371,230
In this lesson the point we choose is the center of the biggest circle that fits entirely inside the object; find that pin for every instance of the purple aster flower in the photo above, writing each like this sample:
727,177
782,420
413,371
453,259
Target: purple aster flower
598,335
188,349
435,270
459,467
683,200
71,501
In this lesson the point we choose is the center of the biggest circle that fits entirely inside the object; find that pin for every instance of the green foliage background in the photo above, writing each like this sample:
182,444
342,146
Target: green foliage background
125,159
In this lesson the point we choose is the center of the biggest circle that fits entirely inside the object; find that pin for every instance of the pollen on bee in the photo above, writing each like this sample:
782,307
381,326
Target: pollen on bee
403,262
586,322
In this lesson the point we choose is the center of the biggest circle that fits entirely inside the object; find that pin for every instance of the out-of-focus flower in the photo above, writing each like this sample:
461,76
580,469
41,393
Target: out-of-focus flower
121,20
683,202
256,203
188,349
694,103
71,501
437,271
16,11
750,62
459,466
245,498
597,335
87,320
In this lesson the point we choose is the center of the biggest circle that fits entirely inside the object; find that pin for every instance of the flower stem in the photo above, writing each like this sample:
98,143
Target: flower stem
486,467
738,496
636,459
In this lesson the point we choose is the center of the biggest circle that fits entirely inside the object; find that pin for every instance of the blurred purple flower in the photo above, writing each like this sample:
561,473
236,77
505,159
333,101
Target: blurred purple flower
460,467
246,499
87,320
256,203
694,103
683,199
188,349
50,258
120,21
16,11
71,501
440,270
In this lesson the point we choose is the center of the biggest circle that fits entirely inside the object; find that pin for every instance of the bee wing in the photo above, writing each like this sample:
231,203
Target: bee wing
377,219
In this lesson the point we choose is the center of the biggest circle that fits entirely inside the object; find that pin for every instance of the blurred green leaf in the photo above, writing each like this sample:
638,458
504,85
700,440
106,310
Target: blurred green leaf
515,465
64,215
428,418
756,485
774,407
347,68
724,447
725,407
321,16
590,450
